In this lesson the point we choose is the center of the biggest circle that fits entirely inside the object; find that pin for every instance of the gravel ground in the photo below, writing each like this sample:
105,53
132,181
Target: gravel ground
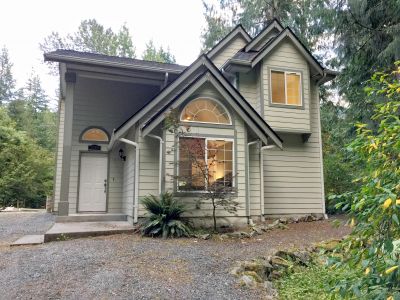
132,267
14,225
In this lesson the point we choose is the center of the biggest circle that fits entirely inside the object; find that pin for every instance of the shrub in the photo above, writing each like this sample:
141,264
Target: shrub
165,217
374,205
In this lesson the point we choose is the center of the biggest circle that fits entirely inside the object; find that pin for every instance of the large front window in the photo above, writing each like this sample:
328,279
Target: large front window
286,88
204,164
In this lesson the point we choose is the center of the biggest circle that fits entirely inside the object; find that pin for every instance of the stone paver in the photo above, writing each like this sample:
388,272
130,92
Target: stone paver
32,239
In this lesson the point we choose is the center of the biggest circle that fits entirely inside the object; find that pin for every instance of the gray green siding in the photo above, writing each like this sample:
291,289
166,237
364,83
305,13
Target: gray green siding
286,57
293,180
229,51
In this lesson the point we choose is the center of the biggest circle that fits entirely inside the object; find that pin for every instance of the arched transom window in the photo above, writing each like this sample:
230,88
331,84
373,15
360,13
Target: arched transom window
95,134
205,110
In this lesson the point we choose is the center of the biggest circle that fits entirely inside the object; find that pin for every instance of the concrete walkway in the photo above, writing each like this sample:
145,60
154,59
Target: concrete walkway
62,231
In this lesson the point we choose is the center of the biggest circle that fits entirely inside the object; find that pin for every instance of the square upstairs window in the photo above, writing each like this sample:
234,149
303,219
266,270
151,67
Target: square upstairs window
286,88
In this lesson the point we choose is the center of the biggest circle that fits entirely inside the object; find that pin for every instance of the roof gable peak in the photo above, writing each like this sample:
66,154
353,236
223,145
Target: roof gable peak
237,30
274,24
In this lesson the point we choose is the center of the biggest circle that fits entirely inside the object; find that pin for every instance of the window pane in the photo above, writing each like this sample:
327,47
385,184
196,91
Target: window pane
293,89
278,87
205,110
219,163
191,164
95,135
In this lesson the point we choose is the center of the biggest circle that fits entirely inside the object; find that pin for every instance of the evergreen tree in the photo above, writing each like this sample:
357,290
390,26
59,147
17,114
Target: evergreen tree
35,94
367,40
151,53
93,37
7,82
309,19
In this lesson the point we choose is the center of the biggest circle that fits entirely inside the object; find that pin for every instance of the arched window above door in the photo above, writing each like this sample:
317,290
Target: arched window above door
95,134
205,110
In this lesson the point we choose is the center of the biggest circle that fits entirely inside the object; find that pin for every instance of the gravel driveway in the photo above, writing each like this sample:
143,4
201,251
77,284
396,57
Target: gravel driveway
132,267
14,225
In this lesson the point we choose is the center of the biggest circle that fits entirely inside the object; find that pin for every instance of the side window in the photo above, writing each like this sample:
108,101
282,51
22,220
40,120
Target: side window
286,88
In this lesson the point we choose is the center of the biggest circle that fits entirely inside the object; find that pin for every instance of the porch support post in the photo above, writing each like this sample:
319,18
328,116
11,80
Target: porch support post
63,205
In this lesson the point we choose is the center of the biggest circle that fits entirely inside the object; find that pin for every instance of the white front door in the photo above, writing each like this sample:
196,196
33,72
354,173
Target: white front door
93,182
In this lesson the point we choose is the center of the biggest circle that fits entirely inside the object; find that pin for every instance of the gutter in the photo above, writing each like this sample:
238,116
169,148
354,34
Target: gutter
136,187
86,60
160,161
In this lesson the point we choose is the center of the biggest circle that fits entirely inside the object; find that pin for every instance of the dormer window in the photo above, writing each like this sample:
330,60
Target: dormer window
205,110
286,88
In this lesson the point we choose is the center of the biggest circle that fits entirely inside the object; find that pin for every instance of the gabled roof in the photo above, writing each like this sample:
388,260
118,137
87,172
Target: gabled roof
238,30
288,33
235,102
72,56
274,24
204,64
252,58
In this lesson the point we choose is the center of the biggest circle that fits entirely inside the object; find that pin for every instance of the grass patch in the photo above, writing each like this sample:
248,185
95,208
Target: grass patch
310,283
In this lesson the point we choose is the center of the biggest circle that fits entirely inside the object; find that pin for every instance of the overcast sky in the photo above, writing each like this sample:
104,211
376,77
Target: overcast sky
176,24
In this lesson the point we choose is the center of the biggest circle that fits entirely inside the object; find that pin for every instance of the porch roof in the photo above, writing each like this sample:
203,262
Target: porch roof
72,56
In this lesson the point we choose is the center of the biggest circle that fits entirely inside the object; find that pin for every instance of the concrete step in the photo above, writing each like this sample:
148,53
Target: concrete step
35,239
91,218
68,230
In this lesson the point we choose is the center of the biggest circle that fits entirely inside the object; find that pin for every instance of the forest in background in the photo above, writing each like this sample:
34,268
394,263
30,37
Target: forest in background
357,38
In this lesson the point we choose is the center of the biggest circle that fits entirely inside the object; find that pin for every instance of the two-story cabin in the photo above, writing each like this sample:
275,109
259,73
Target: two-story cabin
252,104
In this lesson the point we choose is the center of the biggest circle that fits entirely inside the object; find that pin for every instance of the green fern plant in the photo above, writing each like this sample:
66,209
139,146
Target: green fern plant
164,217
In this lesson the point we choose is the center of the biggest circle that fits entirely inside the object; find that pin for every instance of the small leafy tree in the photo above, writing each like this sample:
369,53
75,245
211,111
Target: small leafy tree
165,217
374,244
220,193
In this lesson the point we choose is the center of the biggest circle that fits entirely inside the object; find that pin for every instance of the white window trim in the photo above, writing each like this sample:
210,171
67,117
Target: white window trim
200,122
206,158
300,87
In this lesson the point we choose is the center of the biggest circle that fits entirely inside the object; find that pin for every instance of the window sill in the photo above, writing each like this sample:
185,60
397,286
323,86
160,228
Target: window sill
290,106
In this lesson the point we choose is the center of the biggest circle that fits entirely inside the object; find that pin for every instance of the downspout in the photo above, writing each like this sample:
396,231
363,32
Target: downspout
248,203
262,179
160,161
136,187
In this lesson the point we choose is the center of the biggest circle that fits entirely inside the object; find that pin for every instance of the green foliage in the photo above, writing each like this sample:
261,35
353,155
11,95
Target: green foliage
312,282
26,169
7,82
93,37
374,205
29,110
165,217
339,169
160,55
